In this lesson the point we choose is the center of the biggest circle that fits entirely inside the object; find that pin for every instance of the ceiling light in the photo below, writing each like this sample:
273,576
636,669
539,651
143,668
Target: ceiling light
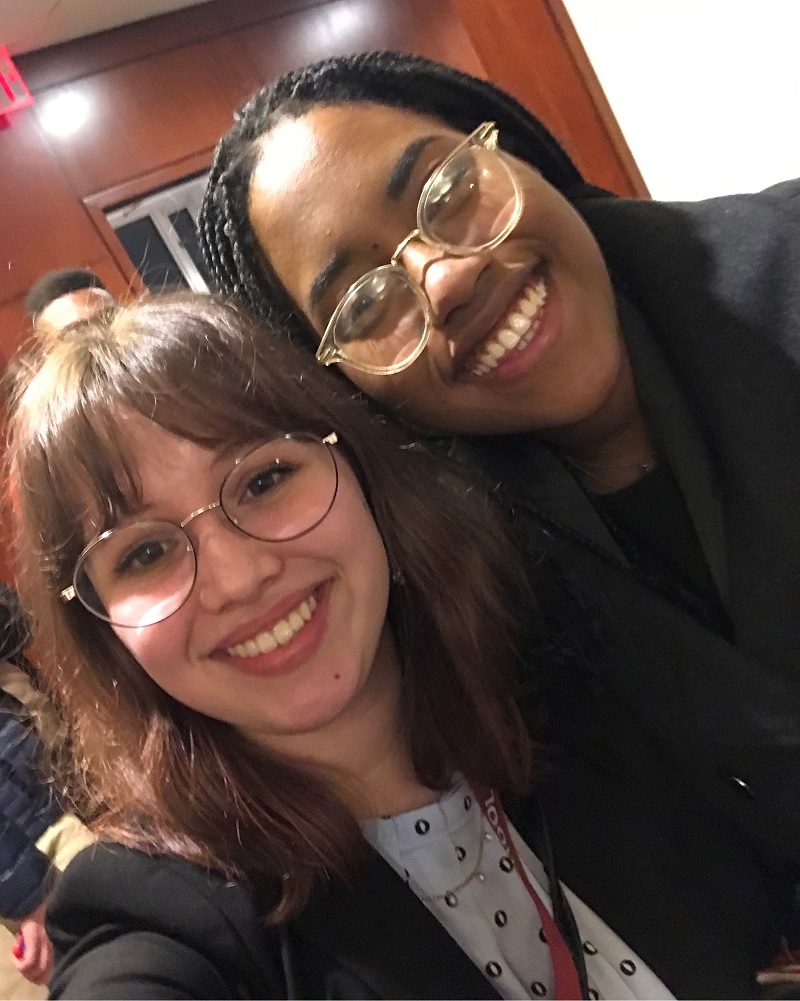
64,113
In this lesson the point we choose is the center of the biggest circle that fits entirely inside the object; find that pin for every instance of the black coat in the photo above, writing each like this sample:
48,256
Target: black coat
698,734
127,925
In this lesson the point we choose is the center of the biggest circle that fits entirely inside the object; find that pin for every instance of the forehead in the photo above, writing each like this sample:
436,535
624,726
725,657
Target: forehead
329,137
323,176
163,463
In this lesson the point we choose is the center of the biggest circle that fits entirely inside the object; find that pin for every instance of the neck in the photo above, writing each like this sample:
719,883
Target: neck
611,448
365,749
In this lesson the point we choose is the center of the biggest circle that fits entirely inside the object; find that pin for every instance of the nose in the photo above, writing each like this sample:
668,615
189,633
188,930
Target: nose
232,568
449,281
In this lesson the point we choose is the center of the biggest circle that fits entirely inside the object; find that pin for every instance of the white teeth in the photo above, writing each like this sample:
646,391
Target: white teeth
508,338
521,324
280,634
266,642
494,350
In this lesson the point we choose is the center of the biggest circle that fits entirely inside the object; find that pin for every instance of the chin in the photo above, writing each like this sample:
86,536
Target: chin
312,715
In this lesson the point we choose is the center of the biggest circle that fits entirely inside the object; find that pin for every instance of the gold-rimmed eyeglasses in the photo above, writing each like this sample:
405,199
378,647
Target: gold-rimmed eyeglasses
470,203
141,573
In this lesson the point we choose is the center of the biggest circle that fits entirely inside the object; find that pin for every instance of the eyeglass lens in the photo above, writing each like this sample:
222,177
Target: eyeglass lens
382,320
471,203
141,573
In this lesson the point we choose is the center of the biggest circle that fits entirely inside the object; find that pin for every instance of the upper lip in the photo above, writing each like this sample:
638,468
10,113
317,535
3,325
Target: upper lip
480,324
263,623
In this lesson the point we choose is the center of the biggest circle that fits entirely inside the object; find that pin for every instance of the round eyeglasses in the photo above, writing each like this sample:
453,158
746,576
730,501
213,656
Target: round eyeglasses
139,574
470,203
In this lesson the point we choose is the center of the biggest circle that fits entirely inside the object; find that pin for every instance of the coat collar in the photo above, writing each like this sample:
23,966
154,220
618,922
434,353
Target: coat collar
527,472
679,440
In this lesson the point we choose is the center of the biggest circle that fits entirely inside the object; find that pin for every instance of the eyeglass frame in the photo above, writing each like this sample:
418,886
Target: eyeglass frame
72,591
328,353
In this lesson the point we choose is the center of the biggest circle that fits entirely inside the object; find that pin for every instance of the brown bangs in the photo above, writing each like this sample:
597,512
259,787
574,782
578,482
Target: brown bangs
182,362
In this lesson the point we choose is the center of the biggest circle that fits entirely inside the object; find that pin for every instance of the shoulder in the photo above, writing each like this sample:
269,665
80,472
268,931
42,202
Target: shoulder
621,224
737,254
127,924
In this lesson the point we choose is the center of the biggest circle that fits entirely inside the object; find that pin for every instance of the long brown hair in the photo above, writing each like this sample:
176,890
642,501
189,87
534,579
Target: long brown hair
160,776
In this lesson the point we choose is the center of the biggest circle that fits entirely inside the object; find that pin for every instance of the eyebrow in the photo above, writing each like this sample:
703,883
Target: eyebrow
338,261
404,166
396,185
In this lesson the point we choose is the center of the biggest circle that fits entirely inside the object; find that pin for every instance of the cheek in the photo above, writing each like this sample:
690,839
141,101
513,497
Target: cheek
159,648
407,394
360,550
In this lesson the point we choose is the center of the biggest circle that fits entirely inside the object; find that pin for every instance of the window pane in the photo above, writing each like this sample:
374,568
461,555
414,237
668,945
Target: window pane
186,231
150,255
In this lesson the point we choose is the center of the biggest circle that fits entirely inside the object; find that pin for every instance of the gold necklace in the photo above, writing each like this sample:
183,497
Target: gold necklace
450,896
641,466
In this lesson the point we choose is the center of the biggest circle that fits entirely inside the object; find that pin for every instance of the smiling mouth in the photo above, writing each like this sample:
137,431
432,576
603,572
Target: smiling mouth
279,635
513,333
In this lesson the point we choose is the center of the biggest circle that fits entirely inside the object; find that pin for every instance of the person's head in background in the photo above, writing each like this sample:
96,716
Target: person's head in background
62,297
499,314
57,300
261,602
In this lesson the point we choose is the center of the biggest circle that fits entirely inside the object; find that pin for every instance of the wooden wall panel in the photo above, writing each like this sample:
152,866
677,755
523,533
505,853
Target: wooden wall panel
15,328
345,26
152,112
531,50
82,57
42,224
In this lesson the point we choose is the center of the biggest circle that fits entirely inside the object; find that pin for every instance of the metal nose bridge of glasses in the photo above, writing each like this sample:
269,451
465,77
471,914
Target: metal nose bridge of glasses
68,593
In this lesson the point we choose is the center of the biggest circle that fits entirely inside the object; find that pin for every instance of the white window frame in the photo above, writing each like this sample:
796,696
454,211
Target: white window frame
158,207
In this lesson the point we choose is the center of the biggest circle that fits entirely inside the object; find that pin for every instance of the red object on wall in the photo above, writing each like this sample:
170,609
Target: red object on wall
13,92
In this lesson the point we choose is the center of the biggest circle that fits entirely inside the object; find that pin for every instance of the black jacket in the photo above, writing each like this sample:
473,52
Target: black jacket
127,925
698,732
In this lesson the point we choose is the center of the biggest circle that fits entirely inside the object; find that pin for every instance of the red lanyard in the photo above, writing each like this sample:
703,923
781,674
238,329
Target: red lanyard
567,981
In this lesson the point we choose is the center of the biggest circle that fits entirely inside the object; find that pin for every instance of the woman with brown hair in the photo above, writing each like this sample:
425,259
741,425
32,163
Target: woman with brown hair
289,693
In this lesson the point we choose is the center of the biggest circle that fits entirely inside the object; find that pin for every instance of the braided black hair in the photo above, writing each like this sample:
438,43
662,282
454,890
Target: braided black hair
229,245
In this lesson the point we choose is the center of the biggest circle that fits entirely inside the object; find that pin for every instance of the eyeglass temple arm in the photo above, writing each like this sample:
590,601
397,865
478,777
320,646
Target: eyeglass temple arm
68,594
327,352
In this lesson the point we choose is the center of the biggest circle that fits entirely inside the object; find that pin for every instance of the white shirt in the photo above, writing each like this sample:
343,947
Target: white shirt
492,917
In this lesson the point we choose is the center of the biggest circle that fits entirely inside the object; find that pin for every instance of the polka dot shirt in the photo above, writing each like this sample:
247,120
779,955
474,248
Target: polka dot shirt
453,862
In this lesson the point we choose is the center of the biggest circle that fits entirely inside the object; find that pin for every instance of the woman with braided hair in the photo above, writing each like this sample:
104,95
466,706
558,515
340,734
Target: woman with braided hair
626,373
